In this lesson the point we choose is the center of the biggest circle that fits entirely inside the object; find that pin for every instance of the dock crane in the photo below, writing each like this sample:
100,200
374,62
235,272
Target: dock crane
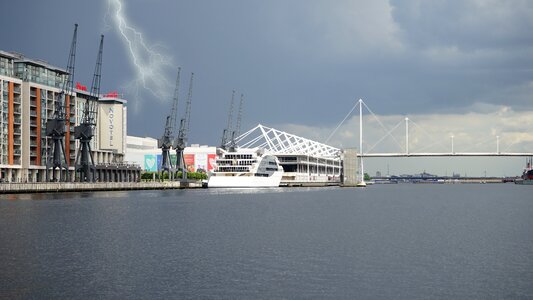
55,128
181,140
227,130
235,133
84,132
165,142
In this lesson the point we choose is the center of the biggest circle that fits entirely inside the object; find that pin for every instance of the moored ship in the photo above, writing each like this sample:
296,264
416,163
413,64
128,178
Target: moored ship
245,168
527,175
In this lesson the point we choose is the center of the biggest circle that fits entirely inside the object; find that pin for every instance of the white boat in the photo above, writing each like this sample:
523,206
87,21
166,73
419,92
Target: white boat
245,168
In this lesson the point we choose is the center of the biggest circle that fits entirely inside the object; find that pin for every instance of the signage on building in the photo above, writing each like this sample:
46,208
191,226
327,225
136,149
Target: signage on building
159,162
211,159
150,162
200,161
189,162
111,127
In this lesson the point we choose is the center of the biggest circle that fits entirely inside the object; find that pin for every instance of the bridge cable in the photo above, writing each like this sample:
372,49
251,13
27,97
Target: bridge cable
479,144
428,135
382,138
342,122
385,128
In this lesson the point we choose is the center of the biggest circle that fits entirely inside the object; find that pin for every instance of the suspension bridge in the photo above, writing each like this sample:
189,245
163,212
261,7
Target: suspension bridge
421,153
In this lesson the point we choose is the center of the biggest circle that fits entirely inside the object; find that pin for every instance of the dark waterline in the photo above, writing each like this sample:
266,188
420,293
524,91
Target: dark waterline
382,242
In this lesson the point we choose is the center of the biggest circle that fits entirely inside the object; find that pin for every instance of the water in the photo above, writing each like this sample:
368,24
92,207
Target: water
384,242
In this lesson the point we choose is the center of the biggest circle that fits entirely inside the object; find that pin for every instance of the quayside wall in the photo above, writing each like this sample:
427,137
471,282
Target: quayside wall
11,188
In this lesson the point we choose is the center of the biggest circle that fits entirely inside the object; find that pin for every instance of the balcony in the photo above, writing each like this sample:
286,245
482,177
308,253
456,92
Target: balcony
33,93
33,133
33,123
16,90
17,131
33,153
33,143
33,103
17,152
16,100
33,113
17,120
17,110
16,141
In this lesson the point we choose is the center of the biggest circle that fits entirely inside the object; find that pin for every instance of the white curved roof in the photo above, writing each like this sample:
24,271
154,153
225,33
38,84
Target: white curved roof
279,142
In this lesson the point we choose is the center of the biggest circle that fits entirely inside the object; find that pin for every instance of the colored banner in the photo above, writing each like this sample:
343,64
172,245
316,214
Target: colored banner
159,161
211,161
201,162
150,163
173,159
189,162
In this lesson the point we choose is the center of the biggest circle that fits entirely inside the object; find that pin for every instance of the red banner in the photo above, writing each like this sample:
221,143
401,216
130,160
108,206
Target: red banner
189,162
211,161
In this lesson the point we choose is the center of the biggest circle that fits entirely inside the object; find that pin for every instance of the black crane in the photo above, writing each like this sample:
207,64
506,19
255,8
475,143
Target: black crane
165,142
55,128
235,133
181,140
227,130
84,132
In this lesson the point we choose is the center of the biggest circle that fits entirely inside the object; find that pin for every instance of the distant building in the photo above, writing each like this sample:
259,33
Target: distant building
144,151
378,173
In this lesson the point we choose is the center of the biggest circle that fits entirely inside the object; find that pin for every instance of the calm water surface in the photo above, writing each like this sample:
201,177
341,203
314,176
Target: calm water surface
383,242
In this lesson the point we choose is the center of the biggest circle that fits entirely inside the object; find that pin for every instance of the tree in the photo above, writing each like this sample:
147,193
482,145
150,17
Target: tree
367,177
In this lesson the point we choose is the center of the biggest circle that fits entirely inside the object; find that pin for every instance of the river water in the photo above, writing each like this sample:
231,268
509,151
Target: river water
403,241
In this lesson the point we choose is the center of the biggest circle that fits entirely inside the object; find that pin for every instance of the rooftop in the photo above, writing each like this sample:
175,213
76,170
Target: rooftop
21,58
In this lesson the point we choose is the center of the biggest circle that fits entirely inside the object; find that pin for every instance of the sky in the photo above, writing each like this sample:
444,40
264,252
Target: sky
461,68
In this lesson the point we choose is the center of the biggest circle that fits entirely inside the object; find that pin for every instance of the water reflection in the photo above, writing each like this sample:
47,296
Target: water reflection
144,194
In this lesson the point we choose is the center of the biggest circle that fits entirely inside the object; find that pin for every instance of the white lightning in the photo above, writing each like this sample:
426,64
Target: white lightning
149,64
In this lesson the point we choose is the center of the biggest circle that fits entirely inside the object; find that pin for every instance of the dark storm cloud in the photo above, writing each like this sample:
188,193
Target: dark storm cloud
300,62
468,25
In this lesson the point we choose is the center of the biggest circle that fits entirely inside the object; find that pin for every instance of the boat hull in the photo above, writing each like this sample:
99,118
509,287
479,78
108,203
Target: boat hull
244,181
524,182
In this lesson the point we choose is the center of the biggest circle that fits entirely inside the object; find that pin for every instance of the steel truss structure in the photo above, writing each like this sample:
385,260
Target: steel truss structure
278,142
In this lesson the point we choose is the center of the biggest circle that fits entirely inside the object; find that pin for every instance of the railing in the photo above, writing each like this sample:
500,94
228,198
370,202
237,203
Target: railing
120,164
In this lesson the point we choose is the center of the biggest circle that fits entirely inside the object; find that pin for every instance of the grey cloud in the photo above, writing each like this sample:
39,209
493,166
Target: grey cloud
469,25
299,62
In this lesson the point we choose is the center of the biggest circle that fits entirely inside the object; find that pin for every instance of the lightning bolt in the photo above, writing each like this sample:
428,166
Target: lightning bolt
150,65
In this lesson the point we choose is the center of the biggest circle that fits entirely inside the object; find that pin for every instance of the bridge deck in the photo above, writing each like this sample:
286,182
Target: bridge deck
507,154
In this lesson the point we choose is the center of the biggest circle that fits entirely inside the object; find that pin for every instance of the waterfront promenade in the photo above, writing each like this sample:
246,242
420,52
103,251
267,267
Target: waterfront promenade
43,187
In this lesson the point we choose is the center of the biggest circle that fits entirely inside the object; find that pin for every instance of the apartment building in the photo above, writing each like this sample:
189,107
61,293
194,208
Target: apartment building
29,91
